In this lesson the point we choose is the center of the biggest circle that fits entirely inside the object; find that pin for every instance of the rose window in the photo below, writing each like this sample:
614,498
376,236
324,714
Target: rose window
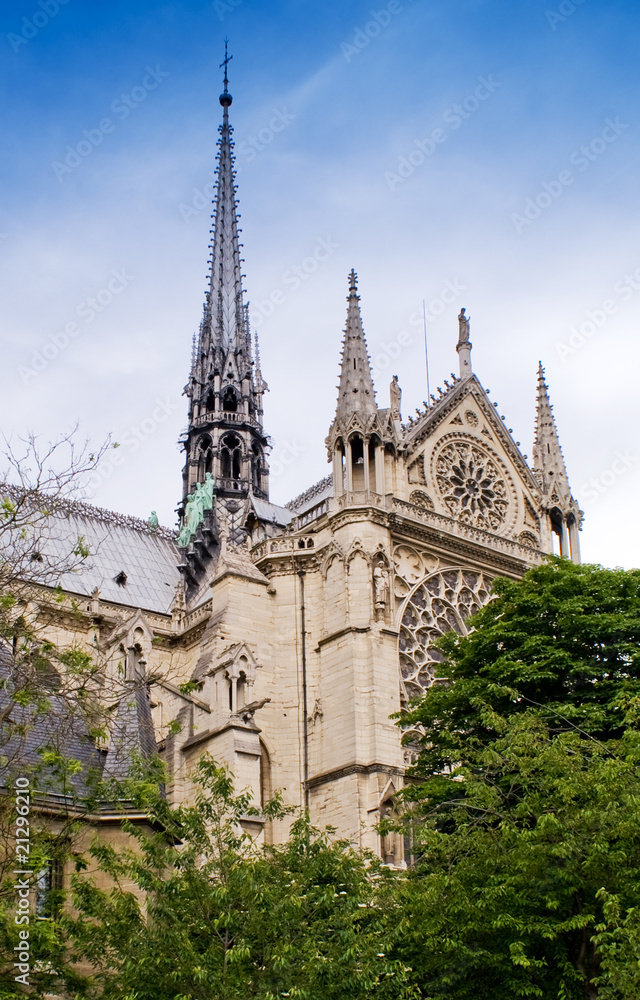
441,603
473,486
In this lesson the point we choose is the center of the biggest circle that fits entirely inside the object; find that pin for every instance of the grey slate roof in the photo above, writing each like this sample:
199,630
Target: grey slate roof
117,544
314,495
133,733
271,512
59,729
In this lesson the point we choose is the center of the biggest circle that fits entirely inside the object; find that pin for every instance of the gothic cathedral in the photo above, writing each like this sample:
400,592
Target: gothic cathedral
303,628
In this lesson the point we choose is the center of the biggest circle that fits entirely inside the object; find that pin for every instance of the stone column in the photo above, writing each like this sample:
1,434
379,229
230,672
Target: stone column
365,462
574,542
338,475
564,540
349,461
379,460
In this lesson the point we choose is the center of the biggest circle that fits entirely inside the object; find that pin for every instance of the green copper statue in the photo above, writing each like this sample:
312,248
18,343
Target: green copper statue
196,504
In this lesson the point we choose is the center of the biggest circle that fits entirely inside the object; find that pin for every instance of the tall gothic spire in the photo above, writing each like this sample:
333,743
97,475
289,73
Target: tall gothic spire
548,461
223,323
355,392
225,443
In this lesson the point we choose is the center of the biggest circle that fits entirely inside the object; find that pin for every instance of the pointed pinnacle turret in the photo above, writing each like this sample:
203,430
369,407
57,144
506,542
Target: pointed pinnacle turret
355,392
548,460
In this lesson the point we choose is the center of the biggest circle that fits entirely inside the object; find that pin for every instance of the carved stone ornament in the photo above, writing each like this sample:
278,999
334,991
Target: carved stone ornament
441,603
474,486
411,565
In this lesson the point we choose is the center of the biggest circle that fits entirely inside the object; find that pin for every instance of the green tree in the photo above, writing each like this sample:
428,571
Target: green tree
197,912
525,805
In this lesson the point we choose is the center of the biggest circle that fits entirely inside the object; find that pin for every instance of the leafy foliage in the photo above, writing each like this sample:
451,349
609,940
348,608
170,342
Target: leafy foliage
525,811
223,919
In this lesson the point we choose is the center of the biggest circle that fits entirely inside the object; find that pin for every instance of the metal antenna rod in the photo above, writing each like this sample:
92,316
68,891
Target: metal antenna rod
426,347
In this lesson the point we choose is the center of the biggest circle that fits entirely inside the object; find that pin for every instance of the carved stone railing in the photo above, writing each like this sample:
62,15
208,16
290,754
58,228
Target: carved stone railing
226,416
360,498
450,527
302,520
201,613
273,547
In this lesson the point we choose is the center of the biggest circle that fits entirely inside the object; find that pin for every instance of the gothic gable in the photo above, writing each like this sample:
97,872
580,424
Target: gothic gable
468,467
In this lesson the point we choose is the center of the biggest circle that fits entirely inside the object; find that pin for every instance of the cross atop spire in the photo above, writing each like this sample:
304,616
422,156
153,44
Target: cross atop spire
225,98
548,460
355,392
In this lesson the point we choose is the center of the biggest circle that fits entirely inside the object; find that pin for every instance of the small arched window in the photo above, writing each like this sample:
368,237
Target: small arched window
229,400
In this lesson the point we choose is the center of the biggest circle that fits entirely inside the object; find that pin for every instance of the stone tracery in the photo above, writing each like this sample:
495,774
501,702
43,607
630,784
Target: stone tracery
440,603
474,487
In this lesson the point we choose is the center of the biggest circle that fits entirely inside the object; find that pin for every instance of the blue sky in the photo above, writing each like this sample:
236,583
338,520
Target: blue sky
488,147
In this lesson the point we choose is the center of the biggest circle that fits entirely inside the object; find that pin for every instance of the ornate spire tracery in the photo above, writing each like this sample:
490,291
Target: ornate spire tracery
225,442
355,392
563,512
548,460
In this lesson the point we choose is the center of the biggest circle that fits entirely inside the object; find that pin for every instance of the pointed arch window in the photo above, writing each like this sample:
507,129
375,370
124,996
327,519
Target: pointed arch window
205,457
231,457
229,400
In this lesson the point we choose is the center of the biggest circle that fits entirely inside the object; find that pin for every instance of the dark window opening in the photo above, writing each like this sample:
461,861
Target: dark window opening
47,889
229,400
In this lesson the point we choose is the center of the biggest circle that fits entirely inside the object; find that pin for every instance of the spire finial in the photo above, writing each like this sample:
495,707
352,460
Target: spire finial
353,281
225,98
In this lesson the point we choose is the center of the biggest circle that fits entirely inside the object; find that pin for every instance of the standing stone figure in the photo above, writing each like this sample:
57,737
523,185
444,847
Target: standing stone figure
381,586
395,396
463,323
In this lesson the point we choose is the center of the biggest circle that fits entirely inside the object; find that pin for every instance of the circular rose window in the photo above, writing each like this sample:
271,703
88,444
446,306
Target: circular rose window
473,484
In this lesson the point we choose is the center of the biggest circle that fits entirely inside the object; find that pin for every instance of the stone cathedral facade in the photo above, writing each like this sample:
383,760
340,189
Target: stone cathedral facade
303,628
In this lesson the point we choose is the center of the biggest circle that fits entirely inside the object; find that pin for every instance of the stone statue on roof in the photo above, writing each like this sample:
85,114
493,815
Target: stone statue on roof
395,397
463,326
